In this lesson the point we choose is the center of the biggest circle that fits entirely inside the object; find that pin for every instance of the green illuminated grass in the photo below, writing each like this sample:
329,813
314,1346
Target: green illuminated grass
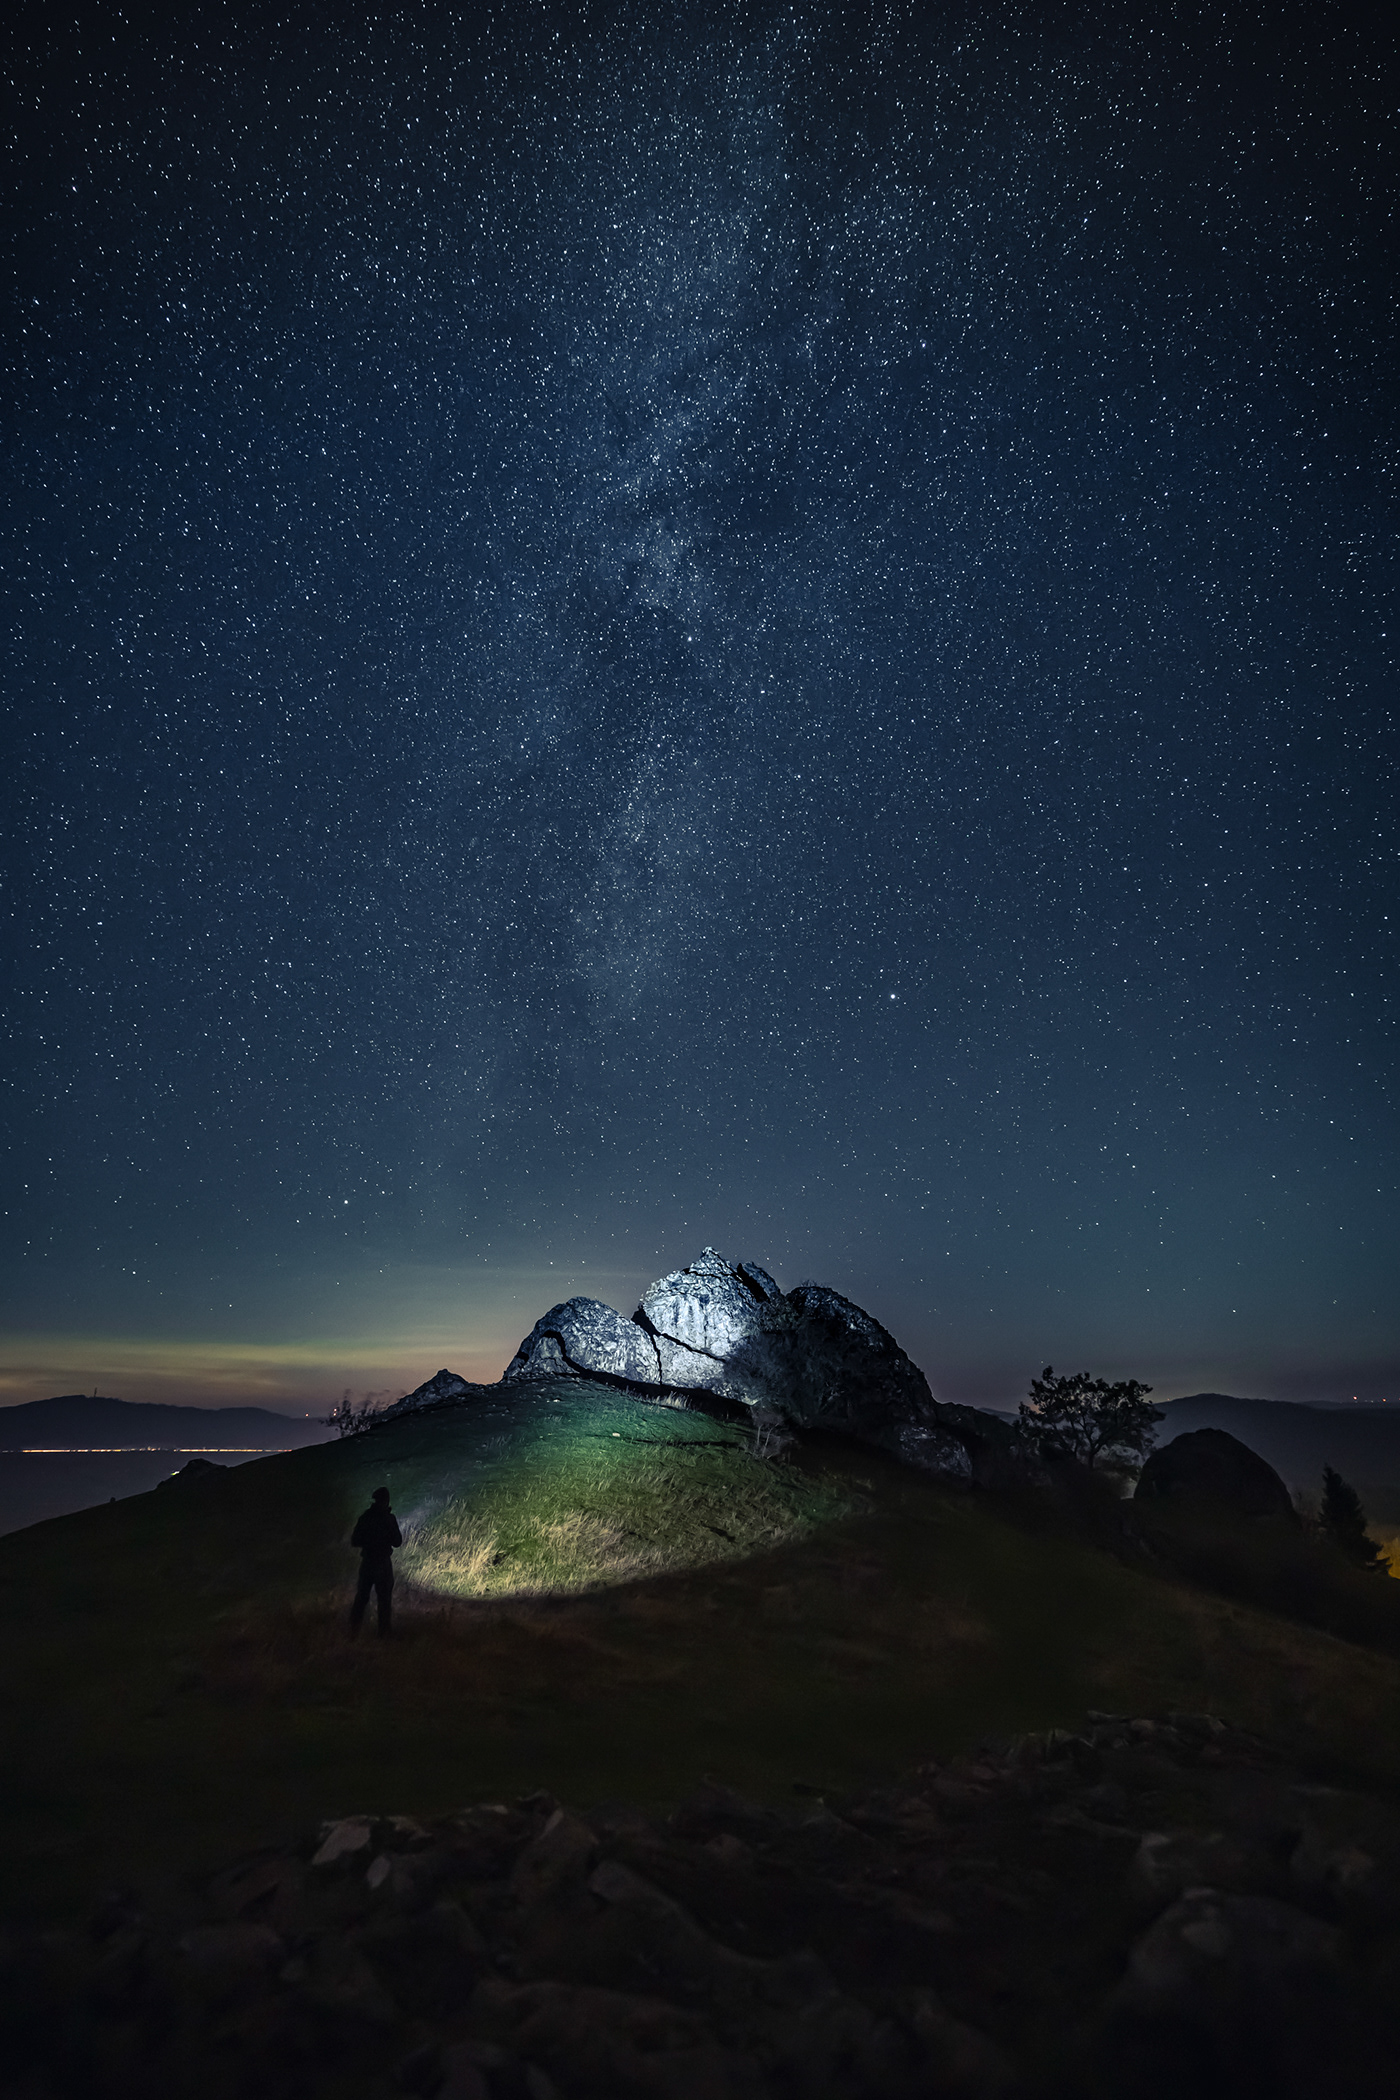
596,1596
560,1488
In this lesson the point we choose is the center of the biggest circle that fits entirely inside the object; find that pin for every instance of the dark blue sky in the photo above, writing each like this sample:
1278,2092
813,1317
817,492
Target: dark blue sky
636,626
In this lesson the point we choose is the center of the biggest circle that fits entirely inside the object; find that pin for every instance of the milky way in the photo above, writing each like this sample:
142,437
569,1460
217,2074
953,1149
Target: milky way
632,628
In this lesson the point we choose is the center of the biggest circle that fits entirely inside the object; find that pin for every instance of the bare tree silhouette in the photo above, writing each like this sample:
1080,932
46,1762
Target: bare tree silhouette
352,1418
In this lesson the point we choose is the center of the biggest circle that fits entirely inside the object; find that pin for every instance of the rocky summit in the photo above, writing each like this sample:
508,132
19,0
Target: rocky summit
808,1358
706,1328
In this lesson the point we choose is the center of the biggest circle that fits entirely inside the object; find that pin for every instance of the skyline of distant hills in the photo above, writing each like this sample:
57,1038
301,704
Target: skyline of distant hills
97,1422
1361,1443
1297,1439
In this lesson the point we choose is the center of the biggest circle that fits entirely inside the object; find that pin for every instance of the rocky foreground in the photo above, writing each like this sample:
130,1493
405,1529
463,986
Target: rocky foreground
1149,1907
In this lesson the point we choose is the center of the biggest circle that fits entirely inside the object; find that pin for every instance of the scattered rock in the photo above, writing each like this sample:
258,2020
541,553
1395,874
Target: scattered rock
843,2050
342,1841
344,1983
1167,1863
616,2043
460,2076
486,1839
428,1963
974,1930
413,1879
407,1832
716,1809
270,1890
1348,1855
650,1940
1246,1993
218,1966
731,1852
558,1858
231,1949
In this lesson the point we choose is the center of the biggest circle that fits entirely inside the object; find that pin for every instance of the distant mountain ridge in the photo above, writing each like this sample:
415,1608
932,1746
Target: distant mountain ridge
1362,1443
83,1421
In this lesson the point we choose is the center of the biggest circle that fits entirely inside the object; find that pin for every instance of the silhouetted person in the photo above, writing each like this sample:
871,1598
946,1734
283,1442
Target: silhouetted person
376,1535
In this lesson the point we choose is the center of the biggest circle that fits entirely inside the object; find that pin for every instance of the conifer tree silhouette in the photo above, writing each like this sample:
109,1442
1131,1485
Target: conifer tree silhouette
1343,1520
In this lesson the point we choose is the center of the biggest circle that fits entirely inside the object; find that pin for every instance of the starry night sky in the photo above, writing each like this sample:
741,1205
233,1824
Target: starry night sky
631,627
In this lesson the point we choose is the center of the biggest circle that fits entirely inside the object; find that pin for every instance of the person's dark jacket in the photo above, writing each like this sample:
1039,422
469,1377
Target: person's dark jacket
377,1533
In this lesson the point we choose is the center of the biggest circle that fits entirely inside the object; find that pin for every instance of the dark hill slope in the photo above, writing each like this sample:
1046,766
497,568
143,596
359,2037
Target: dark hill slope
82,1421
1362,1443
597,1596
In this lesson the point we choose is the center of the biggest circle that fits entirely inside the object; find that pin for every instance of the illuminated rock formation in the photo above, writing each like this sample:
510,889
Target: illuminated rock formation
705,1319
584,1335
807,1358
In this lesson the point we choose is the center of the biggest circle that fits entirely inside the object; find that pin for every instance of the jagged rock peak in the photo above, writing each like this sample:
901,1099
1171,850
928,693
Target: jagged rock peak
709,1264
443,1389
701,1316
587,1338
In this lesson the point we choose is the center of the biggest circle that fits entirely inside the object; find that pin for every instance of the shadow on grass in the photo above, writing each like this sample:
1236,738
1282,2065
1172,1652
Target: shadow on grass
1271,1565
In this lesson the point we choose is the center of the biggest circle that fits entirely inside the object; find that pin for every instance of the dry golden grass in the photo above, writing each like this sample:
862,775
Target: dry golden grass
459,1552
562,1552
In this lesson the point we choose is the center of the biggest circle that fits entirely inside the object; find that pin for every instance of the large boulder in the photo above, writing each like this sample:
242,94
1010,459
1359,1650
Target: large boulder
1211,1466
851,1369
809,1358
584,1335
704,1318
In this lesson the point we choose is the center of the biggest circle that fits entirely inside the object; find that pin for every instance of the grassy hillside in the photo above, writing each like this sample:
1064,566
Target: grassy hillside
37,1485
597,1596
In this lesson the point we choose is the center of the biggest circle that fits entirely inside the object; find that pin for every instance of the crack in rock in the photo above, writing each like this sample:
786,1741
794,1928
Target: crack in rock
808,1358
